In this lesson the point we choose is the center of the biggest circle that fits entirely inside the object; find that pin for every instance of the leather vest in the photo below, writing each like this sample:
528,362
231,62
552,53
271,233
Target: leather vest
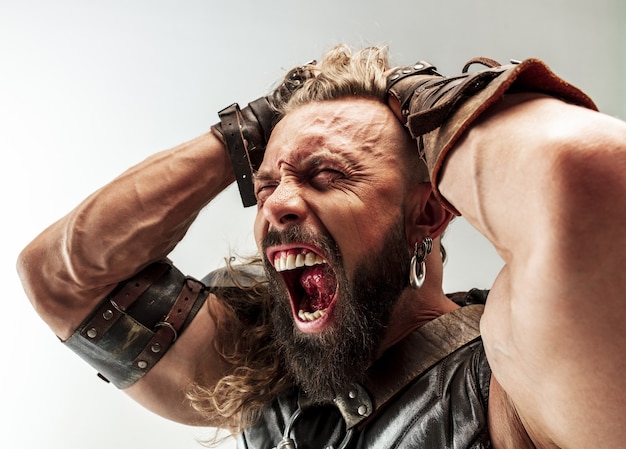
445,407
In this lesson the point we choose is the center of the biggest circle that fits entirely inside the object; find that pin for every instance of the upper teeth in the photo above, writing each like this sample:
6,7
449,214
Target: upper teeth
289,261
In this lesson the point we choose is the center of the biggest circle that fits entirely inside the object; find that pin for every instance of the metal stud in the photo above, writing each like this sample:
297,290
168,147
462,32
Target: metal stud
418,66
155,348
352,394
362,410
92,333
108,314
142,364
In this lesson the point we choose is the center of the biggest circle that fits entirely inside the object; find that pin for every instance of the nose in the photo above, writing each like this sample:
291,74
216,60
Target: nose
285,206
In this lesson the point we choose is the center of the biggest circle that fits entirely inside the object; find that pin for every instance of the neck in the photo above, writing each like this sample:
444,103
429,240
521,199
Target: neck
414,309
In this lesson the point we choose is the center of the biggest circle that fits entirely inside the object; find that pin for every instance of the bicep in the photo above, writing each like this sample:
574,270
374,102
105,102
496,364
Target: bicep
547,189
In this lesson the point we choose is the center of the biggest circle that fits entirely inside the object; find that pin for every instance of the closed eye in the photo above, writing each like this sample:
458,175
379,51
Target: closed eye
325,178
263,190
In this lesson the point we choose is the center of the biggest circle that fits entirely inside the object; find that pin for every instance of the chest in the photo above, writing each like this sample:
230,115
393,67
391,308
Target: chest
443,408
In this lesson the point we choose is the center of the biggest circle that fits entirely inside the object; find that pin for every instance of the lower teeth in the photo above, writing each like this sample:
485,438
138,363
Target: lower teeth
311,316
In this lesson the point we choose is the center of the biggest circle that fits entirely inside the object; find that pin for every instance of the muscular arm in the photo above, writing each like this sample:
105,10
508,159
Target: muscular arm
544,182
136,219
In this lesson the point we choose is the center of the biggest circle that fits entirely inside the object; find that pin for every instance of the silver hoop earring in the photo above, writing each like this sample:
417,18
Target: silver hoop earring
417,273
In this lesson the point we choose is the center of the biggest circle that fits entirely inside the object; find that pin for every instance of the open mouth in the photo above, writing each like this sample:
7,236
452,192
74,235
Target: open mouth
310,280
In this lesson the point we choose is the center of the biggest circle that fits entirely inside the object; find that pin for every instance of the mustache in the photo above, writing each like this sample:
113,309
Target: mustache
297,234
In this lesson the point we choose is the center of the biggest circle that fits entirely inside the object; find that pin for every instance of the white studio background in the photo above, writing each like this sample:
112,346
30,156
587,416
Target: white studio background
88,88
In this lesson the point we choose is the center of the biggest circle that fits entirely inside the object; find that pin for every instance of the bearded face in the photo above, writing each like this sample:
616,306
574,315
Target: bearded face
309,284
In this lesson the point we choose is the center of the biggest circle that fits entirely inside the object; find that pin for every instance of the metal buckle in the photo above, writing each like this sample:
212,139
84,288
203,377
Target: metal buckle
288,443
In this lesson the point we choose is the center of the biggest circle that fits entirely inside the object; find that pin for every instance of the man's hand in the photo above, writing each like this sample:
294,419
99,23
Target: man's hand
245,132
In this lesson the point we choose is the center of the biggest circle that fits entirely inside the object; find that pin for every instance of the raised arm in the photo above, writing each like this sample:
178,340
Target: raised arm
544,181
99,277
554,208
115,233
131,222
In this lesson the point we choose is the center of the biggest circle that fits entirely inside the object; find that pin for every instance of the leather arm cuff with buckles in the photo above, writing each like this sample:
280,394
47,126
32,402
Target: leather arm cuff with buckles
245,131
134,326
437,110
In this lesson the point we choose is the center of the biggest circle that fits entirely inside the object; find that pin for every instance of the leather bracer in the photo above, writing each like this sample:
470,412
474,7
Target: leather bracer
245,132
135,325
437,110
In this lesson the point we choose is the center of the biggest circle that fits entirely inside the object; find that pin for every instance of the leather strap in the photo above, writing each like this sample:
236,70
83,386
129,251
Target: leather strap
133,327
245,132
109,312
168,330
405,94
407,360
232,131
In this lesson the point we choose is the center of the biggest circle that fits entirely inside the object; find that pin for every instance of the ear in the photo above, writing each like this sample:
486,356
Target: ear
426,217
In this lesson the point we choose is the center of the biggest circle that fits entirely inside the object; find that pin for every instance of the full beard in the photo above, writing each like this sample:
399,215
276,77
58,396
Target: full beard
327,363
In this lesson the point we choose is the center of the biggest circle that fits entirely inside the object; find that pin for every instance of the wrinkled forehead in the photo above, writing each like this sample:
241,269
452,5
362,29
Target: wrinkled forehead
352,129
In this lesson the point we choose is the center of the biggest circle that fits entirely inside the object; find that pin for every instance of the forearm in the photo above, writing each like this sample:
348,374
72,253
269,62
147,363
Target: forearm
136,219
491,175
144,213
535,172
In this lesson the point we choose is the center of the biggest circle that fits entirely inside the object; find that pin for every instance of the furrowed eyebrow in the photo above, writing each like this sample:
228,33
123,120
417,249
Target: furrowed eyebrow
305,163
316,160
261,176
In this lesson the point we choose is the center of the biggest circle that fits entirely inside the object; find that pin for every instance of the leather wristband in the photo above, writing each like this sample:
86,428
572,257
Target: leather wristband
232,131
245,132
437,110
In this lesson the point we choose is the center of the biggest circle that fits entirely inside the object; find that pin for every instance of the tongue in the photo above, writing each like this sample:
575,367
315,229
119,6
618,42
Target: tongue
319,285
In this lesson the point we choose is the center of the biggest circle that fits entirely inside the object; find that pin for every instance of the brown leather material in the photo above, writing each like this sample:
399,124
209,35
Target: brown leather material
442,108
245,132
401,83
406,361
120,300
436,340
167,331
142,319
233,132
